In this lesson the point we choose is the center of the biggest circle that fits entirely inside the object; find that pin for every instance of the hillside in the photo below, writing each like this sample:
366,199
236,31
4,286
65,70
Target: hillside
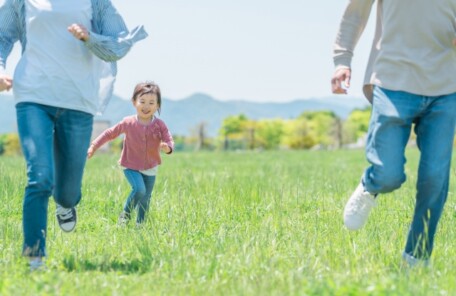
184,115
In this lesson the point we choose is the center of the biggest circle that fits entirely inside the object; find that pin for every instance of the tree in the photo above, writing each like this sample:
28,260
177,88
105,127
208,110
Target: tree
269,133
323,125
11,144
201,136
356,125
298,134
232,130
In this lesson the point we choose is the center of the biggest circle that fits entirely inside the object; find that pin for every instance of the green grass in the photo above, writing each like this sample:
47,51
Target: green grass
264,223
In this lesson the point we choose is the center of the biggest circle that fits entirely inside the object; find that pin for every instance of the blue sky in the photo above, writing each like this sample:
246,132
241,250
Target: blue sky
256,50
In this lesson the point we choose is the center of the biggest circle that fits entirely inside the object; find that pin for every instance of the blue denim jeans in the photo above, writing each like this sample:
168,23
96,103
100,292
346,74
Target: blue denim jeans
141,191
392,117
54,143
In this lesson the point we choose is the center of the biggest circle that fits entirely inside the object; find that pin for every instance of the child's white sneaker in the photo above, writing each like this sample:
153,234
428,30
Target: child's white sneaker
36,264
124,218
410,261
358,208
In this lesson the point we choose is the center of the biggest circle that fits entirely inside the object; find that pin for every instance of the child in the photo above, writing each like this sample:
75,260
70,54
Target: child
145,136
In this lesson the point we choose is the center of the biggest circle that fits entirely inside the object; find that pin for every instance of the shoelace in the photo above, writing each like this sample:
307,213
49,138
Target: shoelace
36,264
64,214
360,204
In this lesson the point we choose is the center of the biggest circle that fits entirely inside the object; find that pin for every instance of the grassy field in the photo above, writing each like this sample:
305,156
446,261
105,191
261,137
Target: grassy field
264,223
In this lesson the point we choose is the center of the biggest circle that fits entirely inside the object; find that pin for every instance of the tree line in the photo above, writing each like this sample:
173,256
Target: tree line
310,130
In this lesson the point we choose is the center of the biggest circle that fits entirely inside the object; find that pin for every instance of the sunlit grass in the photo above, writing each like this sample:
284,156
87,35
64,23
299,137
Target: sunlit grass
247,223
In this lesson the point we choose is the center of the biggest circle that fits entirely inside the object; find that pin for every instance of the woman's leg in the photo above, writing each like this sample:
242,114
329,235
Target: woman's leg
36,132
73,130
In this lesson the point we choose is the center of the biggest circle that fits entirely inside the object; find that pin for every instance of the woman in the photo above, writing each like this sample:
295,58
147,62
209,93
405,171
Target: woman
64,77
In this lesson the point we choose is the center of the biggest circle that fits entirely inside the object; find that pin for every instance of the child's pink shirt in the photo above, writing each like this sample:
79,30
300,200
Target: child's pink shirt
141,145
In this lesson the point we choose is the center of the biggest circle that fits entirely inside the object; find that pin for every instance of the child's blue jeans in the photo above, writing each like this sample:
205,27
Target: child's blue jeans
141,191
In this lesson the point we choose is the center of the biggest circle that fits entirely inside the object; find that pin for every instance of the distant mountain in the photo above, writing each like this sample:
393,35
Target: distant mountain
182,116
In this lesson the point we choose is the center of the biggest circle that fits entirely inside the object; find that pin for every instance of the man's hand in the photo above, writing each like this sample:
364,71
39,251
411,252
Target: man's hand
340,81
79,32
6,82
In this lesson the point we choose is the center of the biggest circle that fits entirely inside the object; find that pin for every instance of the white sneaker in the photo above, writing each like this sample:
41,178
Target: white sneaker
36,264
358,208
66,217
124,218
412,262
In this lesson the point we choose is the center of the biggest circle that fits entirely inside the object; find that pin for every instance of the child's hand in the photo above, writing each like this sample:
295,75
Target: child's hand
90,152
165,148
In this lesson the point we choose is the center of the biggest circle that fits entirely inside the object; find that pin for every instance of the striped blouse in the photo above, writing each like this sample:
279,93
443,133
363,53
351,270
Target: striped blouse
109,39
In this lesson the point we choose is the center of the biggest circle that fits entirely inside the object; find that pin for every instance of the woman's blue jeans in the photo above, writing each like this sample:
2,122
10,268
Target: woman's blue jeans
54,143
141,191
392,117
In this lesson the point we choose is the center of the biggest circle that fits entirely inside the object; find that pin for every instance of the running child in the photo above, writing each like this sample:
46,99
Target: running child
145,135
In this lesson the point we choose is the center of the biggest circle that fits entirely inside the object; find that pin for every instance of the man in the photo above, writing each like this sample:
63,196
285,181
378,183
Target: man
409,80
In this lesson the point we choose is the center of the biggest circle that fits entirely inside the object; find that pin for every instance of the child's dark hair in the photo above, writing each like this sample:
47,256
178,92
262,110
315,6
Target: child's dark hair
147,87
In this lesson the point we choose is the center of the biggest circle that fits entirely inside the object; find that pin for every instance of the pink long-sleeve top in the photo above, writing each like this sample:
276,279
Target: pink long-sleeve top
141,145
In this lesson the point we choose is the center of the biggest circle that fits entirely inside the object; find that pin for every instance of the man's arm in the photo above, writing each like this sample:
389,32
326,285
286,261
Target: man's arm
351,27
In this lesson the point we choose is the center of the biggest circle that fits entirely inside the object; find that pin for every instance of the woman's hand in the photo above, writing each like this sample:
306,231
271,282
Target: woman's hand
6,82
79,32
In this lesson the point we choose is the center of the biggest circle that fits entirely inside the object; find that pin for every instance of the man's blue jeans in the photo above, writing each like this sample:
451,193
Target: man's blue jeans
141,191
392,117
54,143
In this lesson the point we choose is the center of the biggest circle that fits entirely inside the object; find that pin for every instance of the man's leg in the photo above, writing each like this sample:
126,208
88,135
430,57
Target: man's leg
435,133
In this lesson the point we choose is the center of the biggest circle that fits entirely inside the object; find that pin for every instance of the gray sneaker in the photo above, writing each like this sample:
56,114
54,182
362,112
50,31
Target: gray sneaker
124,218
66,217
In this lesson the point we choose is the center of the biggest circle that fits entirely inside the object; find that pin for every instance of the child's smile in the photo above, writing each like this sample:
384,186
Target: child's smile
146,106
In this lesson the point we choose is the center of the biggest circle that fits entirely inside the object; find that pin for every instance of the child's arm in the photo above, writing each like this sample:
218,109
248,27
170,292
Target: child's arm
165,148
108,135
91,151
167,144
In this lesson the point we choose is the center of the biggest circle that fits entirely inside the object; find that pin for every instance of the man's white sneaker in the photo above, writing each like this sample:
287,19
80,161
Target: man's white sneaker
358,208
66,218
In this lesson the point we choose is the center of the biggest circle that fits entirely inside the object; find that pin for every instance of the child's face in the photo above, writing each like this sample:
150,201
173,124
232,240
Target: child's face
146,106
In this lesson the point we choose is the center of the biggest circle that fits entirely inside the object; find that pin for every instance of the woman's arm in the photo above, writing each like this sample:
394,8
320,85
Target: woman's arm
9,32
110,39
